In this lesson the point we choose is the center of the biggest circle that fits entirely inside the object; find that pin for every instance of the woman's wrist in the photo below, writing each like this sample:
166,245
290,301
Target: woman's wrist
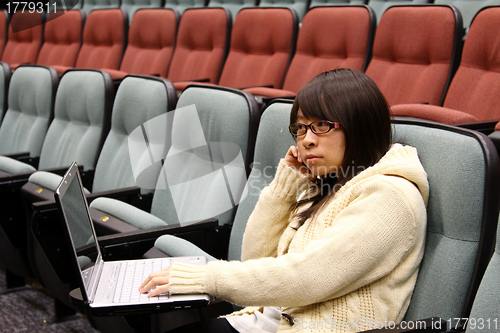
288,183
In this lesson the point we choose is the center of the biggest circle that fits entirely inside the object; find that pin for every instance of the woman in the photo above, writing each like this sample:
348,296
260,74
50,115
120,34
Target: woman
344,256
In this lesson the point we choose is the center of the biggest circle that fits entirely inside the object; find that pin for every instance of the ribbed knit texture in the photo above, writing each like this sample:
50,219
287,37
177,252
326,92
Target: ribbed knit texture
356,261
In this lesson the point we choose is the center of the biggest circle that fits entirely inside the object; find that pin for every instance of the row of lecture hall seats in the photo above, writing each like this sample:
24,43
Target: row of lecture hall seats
416,54
468,7
148,217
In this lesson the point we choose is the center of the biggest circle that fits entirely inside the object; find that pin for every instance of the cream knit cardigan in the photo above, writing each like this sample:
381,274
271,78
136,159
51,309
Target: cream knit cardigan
349,269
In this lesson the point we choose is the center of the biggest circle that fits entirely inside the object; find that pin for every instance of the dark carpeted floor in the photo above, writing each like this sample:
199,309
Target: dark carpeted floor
32,310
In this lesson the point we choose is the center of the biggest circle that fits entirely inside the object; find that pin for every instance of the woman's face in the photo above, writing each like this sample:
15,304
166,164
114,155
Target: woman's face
321,153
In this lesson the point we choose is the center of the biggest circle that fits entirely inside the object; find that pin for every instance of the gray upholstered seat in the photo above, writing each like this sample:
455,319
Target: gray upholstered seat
233,6
26,120
463,172
486,308
273,141
89,5
212,140
468,8
299,6
131,6
182,5
5,75
138,100
380,6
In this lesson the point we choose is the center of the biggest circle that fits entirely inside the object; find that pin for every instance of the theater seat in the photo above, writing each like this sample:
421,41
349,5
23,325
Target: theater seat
329,37
25,37
261,47
89,5
191,186
132,6
202,45
151,42
299,6
271,145
62,38
469,100
104,40
234,6
182,5
26,120
415,53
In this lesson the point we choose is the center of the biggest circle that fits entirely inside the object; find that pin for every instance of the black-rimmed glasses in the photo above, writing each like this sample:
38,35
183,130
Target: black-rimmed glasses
317,127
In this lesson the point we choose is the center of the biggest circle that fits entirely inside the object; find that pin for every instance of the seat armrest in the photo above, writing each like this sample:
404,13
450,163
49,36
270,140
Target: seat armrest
135,243
486,127
117,194
429,325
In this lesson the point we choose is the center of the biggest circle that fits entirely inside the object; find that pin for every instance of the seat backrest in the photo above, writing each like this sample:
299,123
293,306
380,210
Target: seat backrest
131,6
234,6
463,172
477,78
151,42
273,141
27,119
24,39
212,142
104,39
4,28
380,6
202,45
138,100
5,74
261,47
329,38
89,5
62,38
468,8
485,309
299,6
182,5
82,117
415,53
319,3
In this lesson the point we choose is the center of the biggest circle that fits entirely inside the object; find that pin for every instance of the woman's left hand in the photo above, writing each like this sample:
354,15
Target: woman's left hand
156,283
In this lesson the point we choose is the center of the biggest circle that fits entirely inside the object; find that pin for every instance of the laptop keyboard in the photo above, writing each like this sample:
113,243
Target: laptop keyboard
131,274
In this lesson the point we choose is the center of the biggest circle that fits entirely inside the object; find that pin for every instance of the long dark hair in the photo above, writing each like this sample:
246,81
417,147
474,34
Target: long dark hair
352,99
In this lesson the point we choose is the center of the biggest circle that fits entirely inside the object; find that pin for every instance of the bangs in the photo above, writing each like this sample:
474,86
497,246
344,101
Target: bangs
311,101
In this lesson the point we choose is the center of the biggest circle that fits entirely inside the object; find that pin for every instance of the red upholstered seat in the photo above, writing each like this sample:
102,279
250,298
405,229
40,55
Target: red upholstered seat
202,45
329,38
4,23
262,44
104,39
24,38
62,38
415,52
474,90
151,42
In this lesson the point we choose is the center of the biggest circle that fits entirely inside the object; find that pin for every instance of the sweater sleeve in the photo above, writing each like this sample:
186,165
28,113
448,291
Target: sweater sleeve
366,241
271,214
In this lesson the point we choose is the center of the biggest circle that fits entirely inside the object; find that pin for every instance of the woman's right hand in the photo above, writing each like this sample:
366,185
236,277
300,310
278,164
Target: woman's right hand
294,161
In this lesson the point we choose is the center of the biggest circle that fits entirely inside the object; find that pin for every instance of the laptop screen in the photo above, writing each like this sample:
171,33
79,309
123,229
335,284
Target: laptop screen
74,207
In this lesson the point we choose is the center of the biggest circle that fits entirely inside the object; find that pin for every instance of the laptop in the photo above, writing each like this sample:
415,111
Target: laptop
110,288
